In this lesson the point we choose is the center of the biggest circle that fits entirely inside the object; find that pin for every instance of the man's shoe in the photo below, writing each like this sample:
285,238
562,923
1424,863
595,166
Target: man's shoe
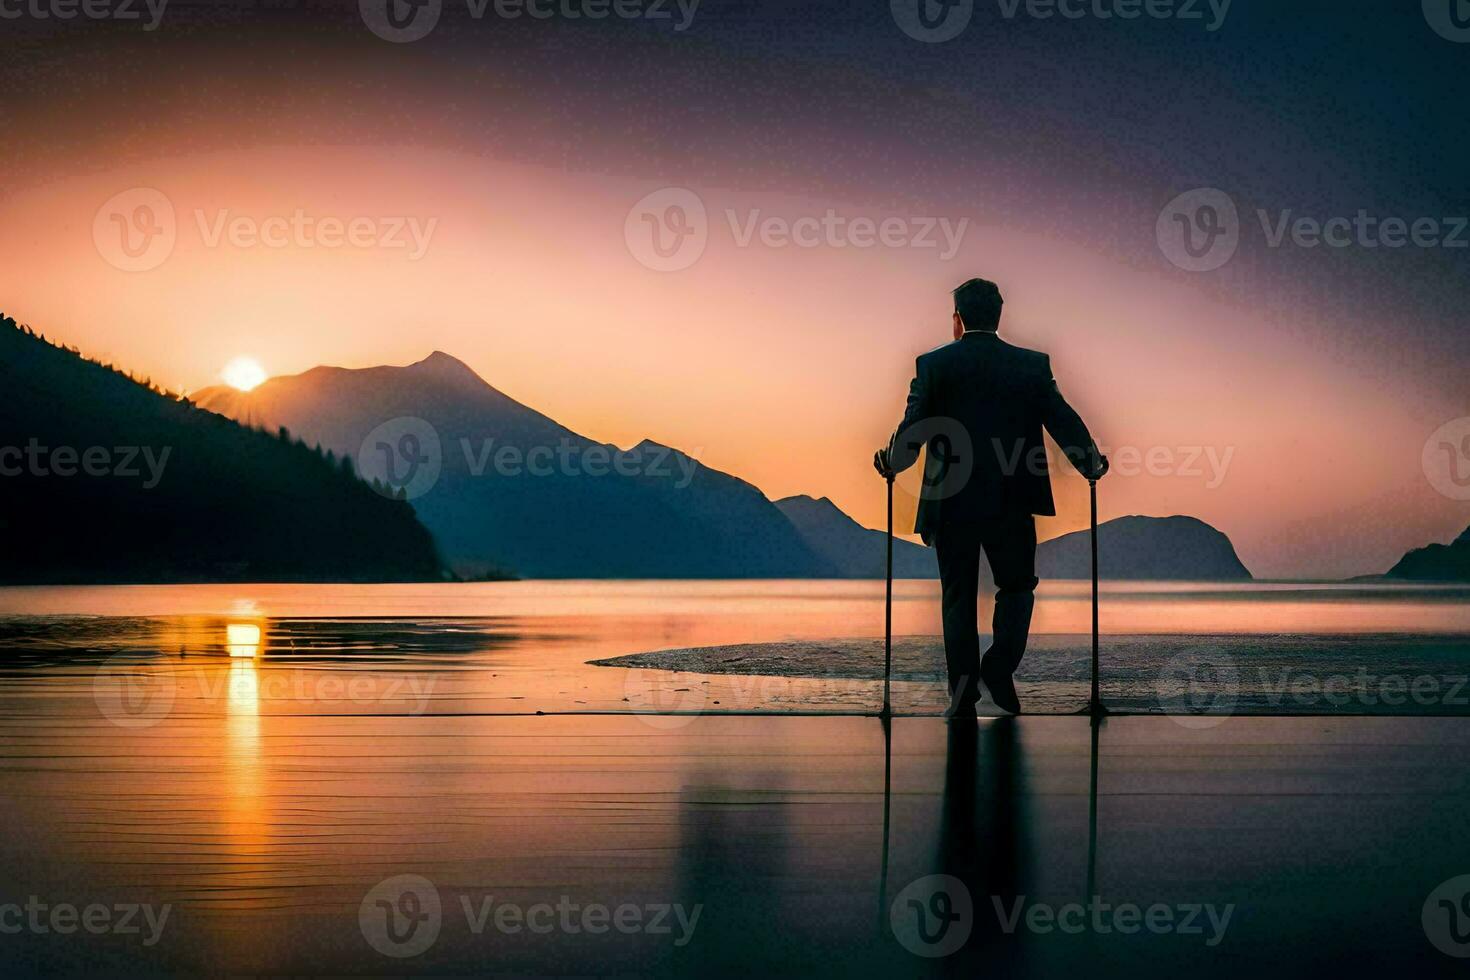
1002,689
961,712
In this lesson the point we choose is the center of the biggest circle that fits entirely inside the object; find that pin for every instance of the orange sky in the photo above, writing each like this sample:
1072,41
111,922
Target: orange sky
786,366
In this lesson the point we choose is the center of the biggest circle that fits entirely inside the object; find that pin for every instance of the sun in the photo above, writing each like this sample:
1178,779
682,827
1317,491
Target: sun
243,373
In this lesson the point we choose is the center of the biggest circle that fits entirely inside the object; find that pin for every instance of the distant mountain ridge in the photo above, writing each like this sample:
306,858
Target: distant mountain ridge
1129,548
518,490
852,550
1436,562
1151,549
216,502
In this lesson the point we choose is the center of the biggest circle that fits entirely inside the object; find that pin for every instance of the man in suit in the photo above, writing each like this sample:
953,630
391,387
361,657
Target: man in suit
979,405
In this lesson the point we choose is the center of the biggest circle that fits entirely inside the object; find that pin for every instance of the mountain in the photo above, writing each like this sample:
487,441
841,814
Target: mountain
502,485
1436,562
1144,549
853,550
1129,548
108,479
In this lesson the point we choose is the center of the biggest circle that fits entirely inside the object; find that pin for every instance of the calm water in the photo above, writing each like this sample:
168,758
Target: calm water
164,653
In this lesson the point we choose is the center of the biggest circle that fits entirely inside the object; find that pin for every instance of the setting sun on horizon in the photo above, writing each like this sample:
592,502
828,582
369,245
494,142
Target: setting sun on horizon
243,373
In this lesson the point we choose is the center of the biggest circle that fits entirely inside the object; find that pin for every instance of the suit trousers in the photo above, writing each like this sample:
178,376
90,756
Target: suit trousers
1009,543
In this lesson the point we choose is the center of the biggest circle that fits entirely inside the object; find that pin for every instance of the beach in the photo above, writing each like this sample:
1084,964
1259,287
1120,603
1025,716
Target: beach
1315,833
303,779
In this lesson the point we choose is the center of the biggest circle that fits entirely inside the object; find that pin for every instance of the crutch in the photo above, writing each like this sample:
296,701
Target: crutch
1095,707
888,611
885,717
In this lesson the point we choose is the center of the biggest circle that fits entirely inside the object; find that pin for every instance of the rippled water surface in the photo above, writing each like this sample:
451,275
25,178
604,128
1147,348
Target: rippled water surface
208,652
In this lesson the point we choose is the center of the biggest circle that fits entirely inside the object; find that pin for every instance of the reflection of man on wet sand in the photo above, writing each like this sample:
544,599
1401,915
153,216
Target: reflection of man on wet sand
983,832
985,398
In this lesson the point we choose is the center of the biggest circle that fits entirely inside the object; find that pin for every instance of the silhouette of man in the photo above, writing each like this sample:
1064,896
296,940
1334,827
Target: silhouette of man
979,405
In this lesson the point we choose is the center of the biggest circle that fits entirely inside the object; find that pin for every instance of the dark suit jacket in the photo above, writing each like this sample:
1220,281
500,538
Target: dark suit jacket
978,405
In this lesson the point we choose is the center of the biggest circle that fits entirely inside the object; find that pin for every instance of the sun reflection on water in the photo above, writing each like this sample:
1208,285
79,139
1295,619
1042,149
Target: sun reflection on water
242,639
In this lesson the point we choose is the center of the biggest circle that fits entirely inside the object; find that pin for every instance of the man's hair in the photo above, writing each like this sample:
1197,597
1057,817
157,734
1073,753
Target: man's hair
978,303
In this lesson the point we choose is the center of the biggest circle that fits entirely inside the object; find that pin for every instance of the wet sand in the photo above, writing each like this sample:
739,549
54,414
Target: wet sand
1201,674
263,792
1325,836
